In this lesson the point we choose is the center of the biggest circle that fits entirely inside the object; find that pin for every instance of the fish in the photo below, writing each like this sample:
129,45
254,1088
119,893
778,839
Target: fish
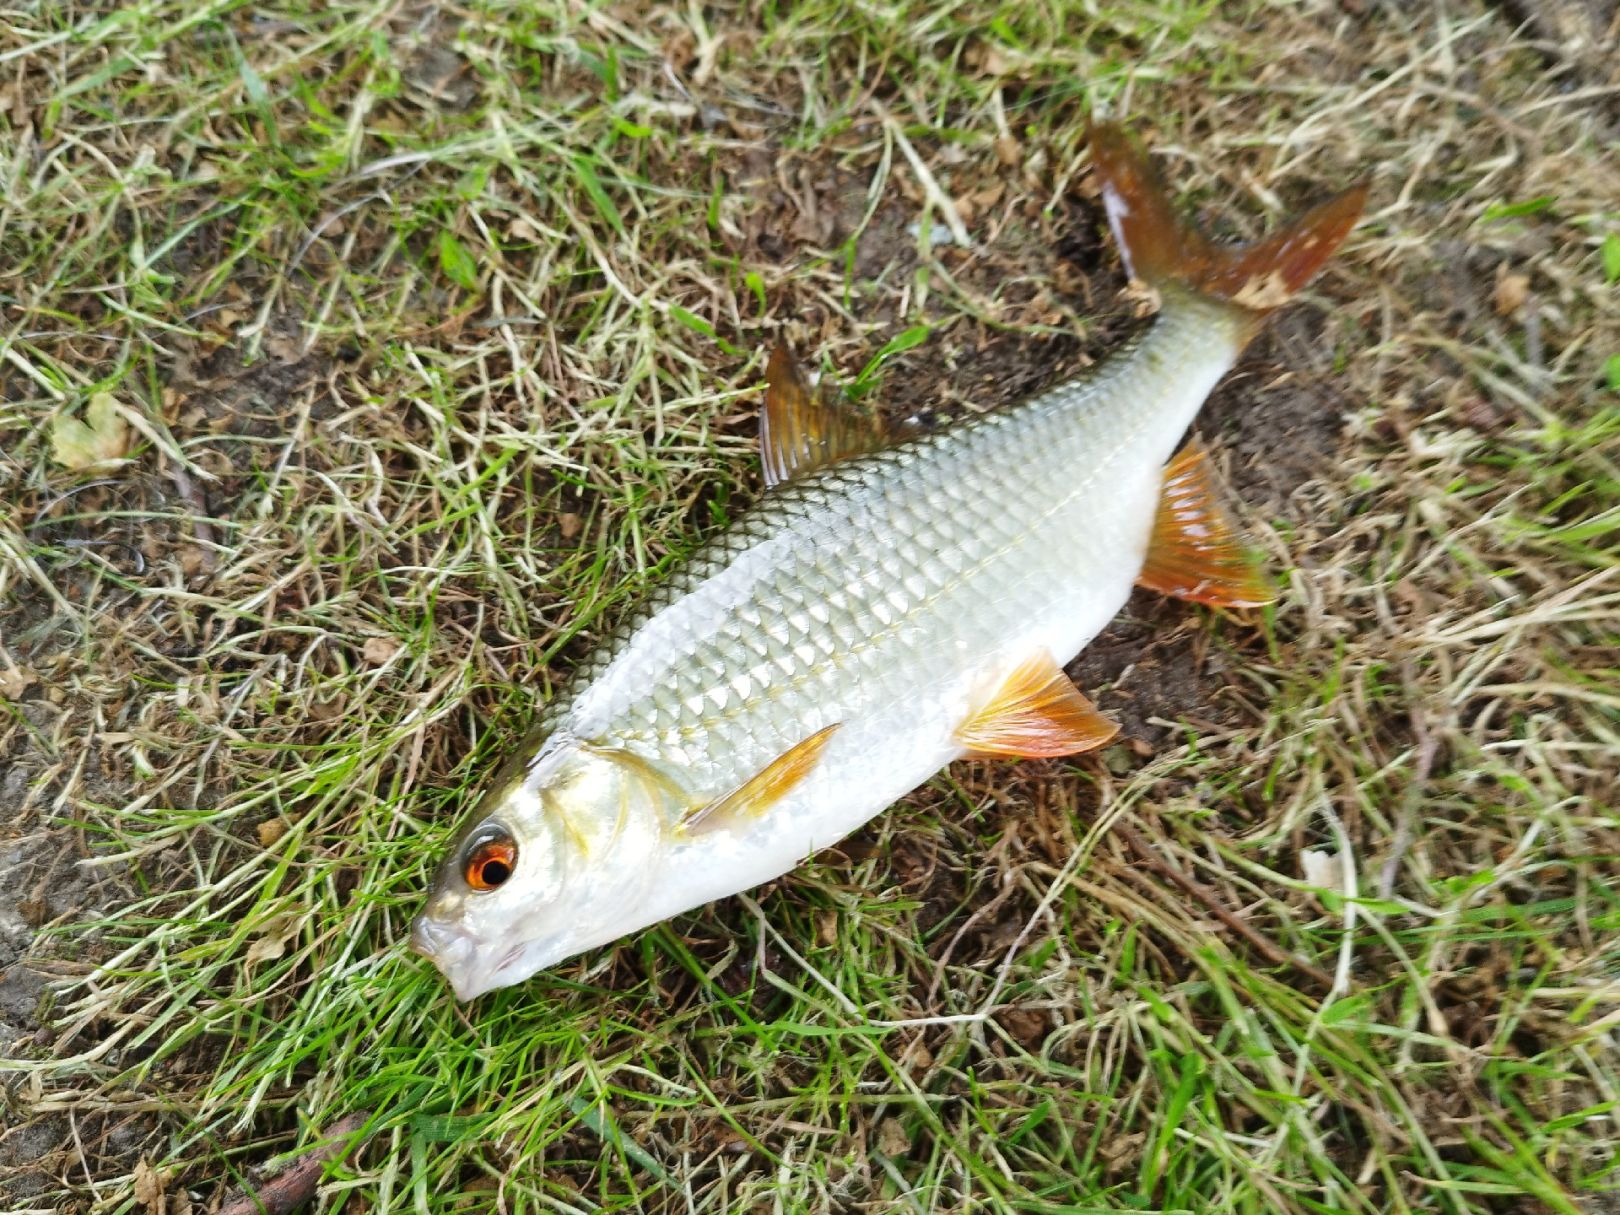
892,603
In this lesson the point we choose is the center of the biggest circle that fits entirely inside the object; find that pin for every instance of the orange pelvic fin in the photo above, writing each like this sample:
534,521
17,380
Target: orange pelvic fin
763,790
1196,553
1162,252
1037,714
802,429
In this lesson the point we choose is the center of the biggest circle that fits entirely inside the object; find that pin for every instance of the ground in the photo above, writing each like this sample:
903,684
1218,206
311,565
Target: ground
360,361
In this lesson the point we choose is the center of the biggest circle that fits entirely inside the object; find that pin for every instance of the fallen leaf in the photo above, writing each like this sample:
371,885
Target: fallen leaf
326,710
1324,869
917,1057
272,942
827,928
1027,1026
149,1187
988,197
284,346
379,650
521,229
1511,292
195,559
892,1138
14,681
1143,299
102,438
994,63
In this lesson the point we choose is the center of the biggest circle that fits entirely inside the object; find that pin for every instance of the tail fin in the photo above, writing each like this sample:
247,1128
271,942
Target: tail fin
1161,252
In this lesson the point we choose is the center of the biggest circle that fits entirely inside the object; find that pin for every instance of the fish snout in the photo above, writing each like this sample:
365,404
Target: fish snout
437,941
455,954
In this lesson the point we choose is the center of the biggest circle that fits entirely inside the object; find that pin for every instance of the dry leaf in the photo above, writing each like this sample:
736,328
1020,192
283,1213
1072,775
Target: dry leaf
102,438
917,1057
195,559
1143,299
892,1138
283,346
14,681
379,650
272,942
326,710
994,62
827,928
270,831
1511,292
1324,869
149,1187
988,197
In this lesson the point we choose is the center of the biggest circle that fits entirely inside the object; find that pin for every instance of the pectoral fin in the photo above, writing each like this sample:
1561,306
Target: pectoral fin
1196,552
764,789
1037,713
801,429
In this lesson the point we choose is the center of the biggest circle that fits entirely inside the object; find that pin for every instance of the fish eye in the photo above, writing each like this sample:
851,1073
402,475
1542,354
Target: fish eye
490,859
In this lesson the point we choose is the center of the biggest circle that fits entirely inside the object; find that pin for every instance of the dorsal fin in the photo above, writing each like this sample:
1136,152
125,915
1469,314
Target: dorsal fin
801,429
1037,713
1196,553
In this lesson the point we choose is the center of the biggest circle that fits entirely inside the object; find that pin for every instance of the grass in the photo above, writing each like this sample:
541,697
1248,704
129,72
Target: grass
437,333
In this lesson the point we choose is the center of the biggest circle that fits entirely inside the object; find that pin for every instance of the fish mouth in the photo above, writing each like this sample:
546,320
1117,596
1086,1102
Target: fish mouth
442,945
457,958
430,938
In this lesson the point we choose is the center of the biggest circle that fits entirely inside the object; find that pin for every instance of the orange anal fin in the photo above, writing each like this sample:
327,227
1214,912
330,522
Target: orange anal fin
1196,552
761,791
801,430
1037,714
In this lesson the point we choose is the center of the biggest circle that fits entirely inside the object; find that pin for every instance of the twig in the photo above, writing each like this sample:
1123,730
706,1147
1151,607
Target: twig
295,1185
1210,899
202,529
1422,763
937,198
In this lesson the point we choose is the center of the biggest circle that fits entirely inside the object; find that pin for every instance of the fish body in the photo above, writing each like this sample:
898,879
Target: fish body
869,621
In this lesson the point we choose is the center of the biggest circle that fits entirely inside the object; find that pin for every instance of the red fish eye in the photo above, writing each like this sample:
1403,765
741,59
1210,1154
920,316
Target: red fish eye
490,861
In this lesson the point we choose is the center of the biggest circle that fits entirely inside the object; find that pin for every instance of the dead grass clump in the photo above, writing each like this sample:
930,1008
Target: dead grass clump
434,337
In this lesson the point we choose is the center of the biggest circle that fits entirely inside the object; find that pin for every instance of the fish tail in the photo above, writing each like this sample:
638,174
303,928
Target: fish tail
1162,251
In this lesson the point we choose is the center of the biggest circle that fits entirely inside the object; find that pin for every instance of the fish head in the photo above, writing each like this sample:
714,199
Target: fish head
557,849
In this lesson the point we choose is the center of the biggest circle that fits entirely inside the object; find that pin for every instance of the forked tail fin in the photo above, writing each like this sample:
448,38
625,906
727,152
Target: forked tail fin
1162,252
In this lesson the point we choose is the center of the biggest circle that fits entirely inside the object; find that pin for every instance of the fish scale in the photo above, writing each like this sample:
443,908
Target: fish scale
846,592
875,616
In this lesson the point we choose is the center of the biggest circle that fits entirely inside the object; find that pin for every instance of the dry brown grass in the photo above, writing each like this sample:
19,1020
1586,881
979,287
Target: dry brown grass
438,332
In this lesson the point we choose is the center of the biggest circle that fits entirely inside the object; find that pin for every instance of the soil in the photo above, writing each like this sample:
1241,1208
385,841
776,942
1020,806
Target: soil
43,891
1162,668
1154,669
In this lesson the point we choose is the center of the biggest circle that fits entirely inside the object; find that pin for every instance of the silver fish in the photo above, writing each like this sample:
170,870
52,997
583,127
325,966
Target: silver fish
883,611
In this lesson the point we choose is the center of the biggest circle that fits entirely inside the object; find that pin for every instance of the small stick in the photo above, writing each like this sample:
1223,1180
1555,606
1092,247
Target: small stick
201,529
1421,764
1210,899
295,1185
